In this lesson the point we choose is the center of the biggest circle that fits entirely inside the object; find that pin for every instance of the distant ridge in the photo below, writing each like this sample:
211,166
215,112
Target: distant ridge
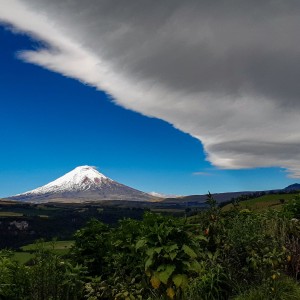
293,187
227,196
83,184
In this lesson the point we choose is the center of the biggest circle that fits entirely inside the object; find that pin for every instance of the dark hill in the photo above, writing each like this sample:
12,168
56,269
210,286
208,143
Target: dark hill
293,187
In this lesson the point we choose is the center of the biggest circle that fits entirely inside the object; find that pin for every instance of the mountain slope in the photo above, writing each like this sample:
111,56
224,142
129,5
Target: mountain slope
293,187
83,184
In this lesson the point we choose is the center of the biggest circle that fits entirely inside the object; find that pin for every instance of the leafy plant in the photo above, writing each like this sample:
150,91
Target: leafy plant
92,243
171,253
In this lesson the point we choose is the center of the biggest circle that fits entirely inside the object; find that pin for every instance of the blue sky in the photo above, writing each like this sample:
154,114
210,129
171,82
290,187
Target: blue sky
49,124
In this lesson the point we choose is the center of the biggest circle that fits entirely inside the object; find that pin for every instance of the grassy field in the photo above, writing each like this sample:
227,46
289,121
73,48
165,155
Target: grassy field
10,214
264,202
58,247
22,257
24,209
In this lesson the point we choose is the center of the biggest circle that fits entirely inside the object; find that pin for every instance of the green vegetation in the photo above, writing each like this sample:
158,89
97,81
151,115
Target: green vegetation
284,289
24,223
168,210
10,214
238,253
19,209
22,257
274,201
58,247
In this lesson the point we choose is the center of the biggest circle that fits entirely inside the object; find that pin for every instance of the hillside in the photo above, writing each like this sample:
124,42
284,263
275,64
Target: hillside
264,202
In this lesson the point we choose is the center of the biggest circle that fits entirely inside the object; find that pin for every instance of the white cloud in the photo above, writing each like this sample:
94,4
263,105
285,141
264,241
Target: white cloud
161,195
224,72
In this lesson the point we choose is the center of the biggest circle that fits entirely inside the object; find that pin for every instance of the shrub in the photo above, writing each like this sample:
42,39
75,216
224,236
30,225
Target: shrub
14,278
171,252
92,244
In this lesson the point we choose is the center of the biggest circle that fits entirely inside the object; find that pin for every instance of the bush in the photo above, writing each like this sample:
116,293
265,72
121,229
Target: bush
14,279
171,251
92,244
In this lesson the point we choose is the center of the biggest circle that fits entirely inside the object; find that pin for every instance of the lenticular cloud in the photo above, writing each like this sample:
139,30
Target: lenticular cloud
225,72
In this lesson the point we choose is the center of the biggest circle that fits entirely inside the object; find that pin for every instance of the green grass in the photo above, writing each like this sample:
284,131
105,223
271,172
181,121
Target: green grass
10,214
58,247
284,289
21,210
22,257
263,202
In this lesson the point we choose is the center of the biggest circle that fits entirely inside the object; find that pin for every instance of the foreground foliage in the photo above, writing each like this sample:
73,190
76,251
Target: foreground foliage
237,254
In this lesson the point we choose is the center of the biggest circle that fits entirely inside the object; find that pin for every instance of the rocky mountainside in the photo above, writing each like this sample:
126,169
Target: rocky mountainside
83,184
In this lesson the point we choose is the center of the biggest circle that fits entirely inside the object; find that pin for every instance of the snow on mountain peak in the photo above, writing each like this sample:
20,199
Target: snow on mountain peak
80,179
82,172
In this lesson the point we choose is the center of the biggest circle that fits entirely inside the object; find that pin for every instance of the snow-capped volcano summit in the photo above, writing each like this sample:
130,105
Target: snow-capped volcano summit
82,184
80,179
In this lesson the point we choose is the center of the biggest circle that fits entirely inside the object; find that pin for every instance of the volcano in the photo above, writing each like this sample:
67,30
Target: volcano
83,184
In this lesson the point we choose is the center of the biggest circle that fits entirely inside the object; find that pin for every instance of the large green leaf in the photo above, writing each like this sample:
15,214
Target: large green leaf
150,252
140,243
180,280
173,255
148,263
164,272
200,238
158,249
189,251
171,248
195,266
